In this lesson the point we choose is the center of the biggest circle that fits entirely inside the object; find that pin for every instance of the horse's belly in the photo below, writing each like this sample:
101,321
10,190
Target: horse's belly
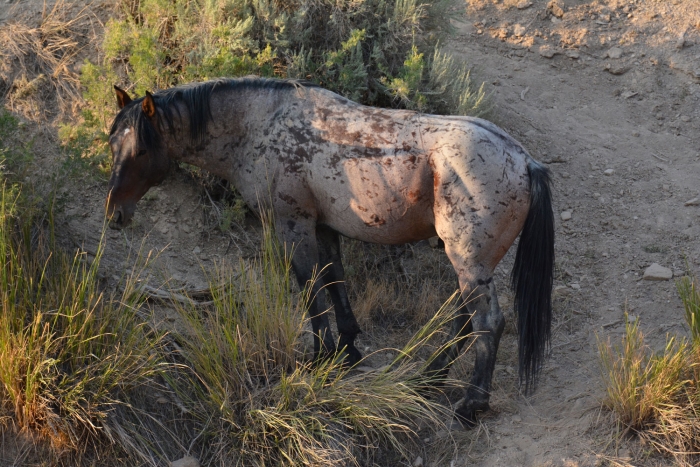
392,222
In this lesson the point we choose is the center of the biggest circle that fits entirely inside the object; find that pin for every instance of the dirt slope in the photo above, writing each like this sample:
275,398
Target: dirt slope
620,136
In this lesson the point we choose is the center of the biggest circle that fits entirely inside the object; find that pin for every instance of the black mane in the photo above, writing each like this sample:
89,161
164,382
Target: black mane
196,97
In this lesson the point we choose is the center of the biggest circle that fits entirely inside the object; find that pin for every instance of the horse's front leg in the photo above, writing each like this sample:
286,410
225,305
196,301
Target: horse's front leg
305,261
334,279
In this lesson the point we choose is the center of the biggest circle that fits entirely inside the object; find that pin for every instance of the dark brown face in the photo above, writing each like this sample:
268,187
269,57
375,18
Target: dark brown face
135,169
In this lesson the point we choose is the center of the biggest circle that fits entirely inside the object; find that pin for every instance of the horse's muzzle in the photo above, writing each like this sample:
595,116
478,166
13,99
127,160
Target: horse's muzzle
117,220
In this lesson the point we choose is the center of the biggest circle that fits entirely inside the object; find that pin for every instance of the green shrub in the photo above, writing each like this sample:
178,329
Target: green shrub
376,52
14,157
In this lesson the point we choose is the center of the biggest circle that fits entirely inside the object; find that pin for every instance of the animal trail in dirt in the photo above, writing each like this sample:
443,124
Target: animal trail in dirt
328,166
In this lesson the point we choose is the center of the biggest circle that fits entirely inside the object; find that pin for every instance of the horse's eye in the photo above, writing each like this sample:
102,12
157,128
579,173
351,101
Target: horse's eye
142,152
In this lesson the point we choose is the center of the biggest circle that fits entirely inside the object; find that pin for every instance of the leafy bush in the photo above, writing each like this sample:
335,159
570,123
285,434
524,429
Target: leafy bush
377,52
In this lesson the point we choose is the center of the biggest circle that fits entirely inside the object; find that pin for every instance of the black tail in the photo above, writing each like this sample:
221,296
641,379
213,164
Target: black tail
533,275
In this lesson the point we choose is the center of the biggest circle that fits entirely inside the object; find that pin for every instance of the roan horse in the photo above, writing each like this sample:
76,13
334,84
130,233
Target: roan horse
330,166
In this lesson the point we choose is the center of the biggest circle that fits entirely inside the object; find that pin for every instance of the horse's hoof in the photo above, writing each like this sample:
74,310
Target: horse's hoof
466,412
350,355
464,420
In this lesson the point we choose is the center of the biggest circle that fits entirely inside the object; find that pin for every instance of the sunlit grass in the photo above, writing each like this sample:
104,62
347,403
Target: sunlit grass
657,395
68,353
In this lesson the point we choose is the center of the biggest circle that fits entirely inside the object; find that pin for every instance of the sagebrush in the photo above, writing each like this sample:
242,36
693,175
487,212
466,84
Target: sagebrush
376,52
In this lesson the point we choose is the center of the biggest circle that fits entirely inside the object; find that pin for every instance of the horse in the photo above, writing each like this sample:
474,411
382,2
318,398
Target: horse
328,166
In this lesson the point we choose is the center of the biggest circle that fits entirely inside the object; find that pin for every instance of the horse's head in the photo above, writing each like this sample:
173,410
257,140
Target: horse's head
138,158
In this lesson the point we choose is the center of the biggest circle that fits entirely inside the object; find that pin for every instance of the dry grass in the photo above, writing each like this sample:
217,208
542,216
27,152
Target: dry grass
264,403
396,288
37,62
70,355
657,395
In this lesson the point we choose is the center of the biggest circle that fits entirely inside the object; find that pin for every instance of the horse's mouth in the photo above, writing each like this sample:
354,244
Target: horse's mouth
117,221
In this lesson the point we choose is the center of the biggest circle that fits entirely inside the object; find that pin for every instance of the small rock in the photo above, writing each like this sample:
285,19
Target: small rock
197,250
609,171
519,30
418,462
680,43
615,53
616,69
692,202
516,419
547,51
565,215
573,54
575,286
162,400
627,95
685,118
523,5
187,461
656,272
553,6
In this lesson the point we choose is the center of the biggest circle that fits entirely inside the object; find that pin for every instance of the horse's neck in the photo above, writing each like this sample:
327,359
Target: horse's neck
225,143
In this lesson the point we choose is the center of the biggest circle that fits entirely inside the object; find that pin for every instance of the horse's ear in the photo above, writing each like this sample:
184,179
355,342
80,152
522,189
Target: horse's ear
123,98
148,105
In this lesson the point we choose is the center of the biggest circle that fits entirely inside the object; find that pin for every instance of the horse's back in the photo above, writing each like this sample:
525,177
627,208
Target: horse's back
392,176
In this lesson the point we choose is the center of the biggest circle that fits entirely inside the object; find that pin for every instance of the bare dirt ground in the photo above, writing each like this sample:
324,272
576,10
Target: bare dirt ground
606,93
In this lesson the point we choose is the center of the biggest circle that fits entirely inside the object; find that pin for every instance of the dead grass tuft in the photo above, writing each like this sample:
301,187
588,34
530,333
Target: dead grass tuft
37,63
657,395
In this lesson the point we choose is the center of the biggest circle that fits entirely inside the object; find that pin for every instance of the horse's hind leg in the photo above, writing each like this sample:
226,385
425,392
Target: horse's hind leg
481,315
488,323
334,278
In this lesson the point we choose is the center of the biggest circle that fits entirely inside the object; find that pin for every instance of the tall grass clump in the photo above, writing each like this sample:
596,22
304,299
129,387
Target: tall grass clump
69,353
657,395
376,52
265,403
